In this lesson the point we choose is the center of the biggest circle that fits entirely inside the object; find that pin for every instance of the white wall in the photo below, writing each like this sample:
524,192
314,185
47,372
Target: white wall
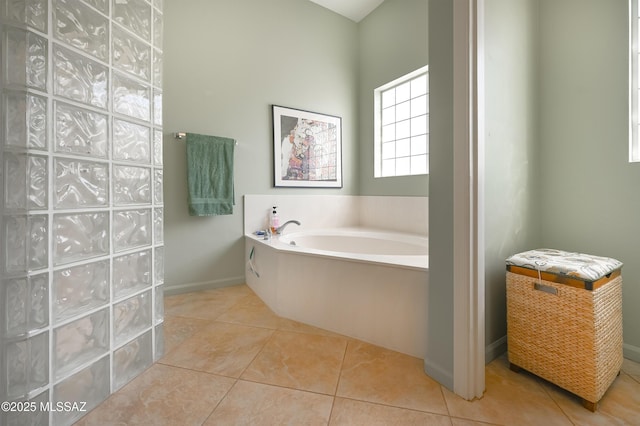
400,214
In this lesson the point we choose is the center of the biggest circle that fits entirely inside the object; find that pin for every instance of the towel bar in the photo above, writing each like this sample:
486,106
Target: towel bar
182,135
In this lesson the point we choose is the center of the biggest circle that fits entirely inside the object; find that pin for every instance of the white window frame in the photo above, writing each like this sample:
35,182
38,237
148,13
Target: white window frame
377,107
634,83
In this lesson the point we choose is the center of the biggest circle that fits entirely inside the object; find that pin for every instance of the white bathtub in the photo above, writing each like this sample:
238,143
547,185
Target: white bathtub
367,284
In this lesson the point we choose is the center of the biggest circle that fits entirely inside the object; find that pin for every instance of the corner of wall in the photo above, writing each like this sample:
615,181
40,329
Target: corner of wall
438,373
495,349
631,352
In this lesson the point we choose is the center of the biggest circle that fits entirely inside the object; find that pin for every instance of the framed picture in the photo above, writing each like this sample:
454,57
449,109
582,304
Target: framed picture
307,149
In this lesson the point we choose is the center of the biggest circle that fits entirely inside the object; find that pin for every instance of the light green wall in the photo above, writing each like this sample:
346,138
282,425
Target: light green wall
226,63
557,173
590,200
393,41
512,165
439,358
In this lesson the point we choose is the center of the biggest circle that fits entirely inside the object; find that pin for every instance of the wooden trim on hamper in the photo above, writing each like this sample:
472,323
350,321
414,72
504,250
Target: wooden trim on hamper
563,279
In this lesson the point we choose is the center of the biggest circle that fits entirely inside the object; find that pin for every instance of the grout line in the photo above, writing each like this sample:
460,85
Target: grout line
547,391
446,404
335,392
221,399
266,342
415,410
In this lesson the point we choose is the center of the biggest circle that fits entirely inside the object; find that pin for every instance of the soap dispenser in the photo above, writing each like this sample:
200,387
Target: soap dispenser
275,222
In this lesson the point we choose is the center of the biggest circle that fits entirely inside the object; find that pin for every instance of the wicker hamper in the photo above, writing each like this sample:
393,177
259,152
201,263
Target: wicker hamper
564,320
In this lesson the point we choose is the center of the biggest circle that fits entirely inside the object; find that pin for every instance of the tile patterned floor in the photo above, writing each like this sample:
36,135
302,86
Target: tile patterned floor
231,361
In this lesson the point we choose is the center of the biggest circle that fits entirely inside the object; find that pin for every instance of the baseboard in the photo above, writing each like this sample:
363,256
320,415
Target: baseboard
631,352
495,349
439,374
170,290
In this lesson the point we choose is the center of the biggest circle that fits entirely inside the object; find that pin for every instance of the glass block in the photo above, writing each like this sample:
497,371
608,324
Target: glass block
158,29
131,273
159,4
131,185
37,182
158,225
131,317
81,27
157,107
29,12
29,418
130,55
38,242
26,304
26,243
79,78
131,98
16,301
131,142
26,59
132,359
157,68
90,385
79,184
15,190
157,147
131,229
134,15
26,120
80,131
80,341
159,305
25,181
159,344
158,265
101,5
15,244
26,365
157,186
80,289
80,236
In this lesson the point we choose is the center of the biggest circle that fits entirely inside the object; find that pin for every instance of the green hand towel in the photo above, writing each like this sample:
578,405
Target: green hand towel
210,175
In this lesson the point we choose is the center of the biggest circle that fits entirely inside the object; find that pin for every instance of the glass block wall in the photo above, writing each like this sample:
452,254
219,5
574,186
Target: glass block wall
81,226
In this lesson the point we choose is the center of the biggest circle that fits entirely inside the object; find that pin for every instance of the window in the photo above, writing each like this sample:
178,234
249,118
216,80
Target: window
634,83
402,126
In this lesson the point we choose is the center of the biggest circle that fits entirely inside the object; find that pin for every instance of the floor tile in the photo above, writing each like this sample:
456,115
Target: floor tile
631,368
207,305
219,348
351,412
256,404
464,422
299,361
510,399
178,329
289,373
251,311
298,327
162,395
620,404
378,375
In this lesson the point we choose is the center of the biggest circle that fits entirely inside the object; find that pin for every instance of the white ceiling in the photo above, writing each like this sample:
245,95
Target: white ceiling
355,10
